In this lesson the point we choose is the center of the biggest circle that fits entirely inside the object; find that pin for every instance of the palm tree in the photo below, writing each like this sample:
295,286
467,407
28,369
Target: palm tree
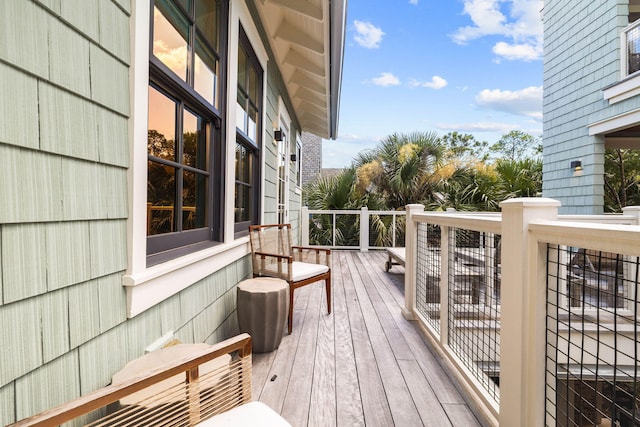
401,168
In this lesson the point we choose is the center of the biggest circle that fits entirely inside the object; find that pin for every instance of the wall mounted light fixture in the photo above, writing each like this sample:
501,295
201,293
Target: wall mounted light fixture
278,134
576,165
293,157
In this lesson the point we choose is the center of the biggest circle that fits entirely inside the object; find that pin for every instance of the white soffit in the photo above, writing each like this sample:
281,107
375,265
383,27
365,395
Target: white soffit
299,34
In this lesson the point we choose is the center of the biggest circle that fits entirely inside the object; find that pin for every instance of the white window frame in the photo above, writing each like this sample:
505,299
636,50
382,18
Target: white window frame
283,148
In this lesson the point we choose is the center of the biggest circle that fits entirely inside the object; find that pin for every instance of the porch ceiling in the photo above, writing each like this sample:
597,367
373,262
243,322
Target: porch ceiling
307,38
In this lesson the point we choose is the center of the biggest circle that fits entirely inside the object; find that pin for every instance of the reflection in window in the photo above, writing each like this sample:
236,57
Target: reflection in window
248,112
176,192
249,91
183,144
170,34
193,59
243,184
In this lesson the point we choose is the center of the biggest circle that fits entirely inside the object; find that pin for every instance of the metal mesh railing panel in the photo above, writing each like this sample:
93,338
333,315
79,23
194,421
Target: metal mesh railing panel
428,274
592,338
473,304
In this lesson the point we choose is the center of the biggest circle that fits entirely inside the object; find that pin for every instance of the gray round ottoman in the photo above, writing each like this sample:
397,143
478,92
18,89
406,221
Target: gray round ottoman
262,311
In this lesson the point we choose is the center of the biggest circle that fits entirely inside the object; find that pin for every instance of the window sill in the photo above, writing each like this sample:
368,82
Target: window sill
157,283
624,89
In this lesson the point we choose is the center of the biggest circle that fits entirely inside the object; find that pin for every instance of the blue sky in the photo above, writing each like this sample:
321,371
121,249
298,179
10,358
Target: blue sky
472,66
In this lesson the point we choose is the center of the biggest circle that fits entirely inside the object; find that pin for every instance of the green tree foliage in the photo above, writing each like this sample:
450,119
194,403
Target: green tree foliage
465,147
517,145
621,179
401,168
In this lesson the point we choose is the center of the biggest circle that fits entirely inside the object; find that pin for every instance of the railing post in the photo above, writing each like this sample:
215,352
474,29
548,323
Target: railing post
411,240
633,211
304,226
364,229
522,317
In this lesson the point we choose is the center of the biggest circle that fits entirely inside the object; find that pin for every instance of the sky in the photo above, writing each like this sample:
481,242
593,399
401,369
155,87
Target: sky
471,66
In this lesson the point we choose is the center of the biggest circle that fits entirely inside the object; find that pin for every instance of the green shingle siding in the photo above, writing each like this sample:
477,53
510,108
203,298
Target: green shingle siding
84,319
20,335
112,300
24,261
54,312
100,358
24,36
69,64
7,404
35,391
18,108
113,75
82,15
114,30
108,247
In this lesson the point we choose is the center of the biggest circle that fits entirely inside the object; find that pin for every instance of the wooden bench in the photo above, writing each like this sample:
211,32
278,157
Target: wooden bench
396,257
220,397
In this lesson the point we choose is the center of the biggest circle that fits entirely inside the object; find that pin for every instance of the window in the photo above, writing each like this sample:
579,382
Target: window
248,131
184,181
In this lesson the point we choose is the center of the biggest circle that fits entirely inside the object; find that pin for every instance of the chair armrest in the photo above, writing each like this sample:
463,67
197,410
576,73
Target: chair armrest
272,255
228,394
322,255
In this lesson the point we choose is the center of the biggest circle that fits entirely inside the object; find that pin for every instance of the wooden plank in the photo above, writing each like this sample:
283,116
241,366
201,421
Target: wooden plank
374,400
273,392
430,409
295,408
348,401
402,408
460,415
322,408
260,371
431,366
371,277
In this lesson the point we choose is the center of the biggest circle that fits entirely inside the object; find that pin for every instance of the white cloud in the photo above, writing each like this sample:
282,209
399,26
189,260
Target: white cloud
385,79
525,52
413,2
477,127
517,20
525,102
436,82
367,34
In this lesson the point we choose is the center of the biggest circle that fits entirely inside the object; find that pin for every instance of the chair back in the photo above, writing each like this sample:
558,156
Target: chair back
271,250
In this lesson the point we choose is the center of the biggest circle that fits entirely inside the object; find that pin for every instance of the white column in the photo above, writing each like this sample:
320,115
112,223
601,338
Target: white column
304,226
364,229
522,325
411,240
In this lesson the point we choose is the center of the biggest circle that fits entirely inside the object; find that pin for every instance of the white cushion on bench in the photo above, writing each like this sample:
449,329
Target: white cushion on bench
249,414
304,270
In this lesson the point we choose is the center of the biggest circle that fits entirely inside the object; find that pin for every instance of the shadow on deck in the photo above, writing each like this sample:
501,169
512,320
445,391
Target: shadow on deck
362,365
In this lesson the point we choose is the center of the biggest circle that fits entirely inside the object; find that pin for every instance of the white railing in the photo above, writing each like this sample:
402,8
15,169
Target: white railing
461,268
630,44
361,229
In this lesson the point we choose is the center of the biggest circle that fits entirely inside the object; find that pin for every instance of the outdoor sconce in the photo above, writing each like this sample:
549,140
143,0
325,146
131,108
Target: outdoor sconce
293,157
576,165
278,135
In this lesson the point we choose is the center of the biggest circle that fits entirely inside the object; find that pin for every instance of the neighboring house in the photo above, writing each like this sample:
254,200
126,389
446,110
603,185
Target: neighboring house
591,102
311,157
138,140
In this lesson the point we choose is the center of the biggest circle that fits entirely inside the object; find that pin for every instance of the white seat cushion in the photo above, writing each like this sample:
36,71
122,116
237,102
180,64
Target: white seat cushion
249,414
304,270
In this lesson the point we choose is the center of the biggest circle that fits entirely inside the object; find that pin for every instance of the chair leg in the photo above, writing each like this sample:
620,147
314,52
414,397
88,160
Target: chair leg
327,285
290,325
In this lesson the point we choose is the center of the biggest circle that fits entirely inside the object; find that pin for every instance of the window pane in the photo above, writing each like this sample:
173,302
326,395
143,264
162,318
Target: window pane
243,164
242,69
195,141
161,194
241,113
162,126
253,85
206,70
170,38
243,203
194,206
252,130
207,20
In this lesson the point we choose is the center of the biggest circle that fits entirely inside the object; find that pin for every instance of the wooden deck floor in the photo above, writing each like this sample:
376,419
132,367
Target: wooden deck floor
364,364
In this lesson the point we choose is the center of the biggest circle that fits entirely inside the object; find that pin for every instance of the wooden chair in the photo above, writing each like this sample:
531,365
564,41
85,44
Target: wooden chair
219,397
274,256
